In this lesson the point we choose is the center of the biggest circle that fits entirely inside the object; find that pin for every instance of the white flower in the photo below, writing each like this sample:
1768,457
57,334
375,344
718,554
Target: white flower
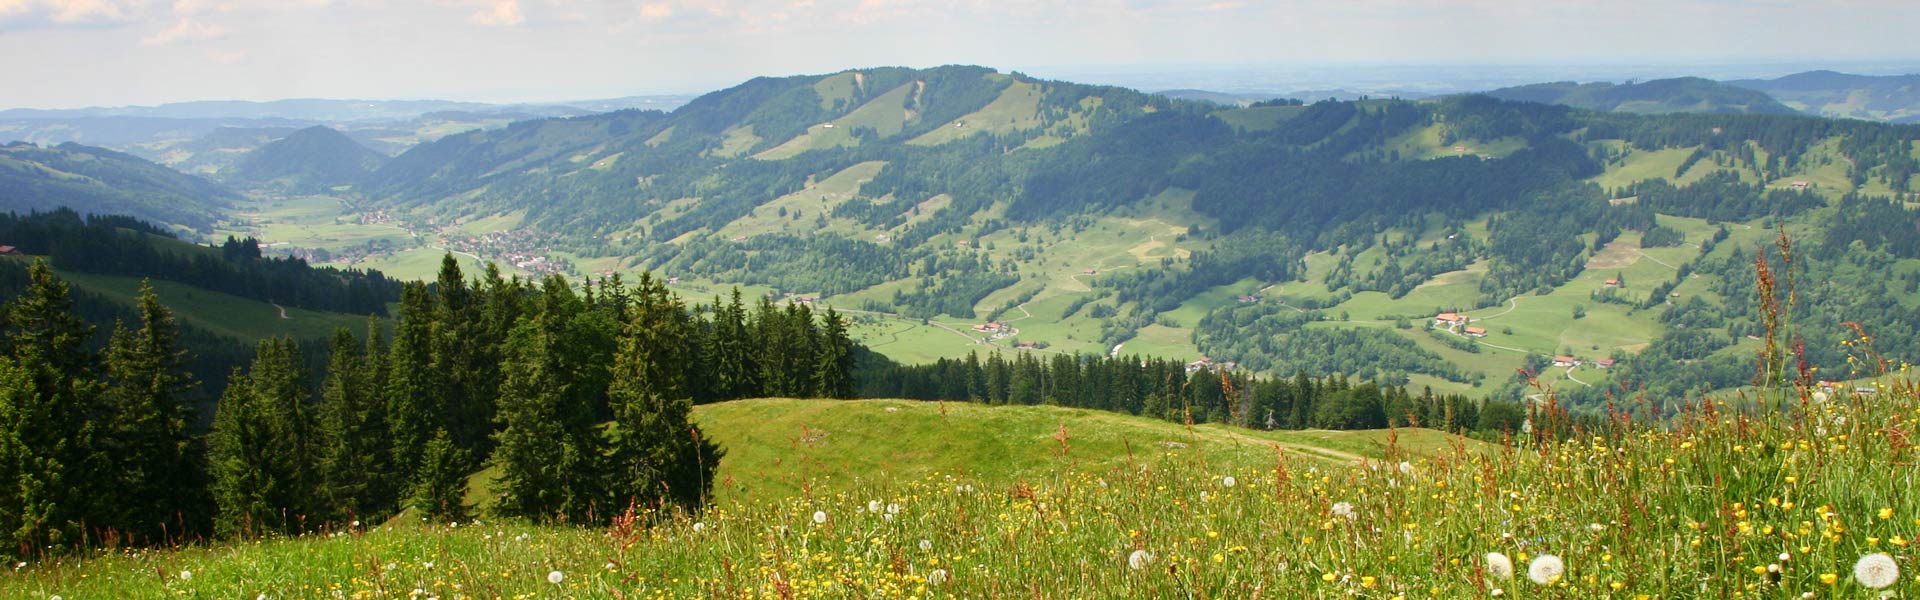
926,545
555,577
1875,571
1228,481
1499,566
873,506
356,522
937,577
184,575
1498,593
699,526
1546,569
893,509
1406,468
428,564
1344,510
820,516
1596,527
1139,559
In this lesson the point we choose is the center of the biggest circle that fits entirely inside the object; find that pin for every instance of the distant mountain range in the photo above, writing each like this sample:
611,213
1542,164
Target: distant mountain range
309,161
1660,96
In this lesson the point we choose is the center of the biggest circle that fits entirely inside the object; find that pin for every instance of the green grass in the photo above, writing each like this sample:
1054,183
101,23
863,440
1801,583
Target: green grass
422,264
883,114
1641,165
1015,109
775,447
223,314
987,502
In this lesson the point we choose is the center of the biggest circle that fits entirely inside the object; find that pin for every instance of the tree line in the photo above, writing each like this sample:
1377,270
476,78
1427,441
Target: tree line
1171,390
580,398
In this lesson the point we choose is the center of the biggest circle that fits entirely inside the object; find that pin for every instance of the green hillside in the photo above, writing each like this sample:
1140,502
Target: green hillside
776,446
100,181
1660,96
1095,220
310,160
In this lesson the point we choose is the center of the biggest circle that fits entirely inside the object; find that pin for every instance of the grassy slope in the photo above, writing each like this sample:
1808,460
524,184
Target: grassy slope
224,314
774,446
1697,511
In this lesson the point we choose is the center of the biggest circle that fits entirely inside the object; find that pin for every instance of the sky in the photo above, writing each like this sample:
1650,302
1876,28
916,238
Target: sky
74,53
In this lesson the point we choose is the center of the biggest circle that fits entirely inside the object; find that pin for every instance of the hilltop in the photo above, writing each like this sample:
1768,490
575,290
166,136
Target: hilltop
311,160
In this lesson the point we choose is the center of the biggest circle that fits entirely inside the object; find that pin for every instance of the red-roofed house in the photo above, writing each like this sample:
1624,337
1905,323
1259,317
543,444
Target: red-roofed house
1475,331
1566,361
1604,363
1450,318
9,251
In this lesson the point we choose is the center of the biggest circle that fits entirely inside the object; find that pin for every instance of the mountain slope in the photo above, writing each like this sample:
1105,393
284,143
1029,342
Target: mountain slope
100,181
310,160
1660,96
1828,93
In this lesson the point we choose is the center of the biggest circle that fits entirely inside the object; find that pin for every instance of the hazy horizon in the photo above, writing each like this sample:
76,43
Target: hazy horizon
112,53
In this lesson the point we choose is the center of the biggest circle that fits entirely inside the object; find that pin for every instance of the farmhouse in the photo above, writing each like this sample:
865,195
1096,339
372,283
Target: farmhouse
9,251
1475,332
1801,185
673,280
1566,361
1604,363
1448,318
1028,344
1612,283
1091,271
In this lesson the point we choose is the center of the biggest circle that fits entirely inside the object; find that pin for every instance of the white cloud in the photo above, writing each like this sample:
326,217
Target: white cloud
72,12
499,12
186,29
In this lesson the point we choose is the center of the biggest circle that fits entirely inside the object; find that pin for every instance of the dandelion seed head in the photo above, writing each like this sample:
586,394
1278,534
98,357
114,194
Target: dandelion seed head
926,545
937,577
1499,566
699,526
1344,510
184,575
1228,481
873,506
1139,559
1406,468
1875,571
820,516
555,577
893,509
1546,569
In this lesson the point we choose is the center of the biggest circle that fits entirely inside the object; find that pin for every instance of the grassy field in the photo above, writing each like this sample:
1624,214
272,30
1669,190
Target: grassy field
1813,504
224,314
1015,109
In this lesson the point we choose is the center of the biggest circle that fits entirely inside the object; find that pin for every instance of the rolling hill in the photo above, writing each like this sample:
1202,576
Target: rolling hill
311,160
100,181
1893,98
774,446
1679,95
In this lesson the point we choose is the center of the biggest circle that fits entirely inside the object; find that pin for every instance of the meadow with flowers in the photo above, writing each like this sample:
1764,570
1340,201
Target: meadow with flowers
1812,498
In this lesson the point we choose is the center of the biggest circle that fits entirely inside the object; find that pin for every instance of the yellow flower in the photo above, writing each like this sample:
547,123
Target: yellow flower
1829,578
1886,513
1327,577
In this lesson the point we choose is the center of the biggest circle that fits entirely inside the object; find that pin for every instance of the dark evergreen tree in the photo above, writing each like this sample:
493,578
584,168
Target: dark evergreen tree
262,451
657,453
157,476
57,481
441,492
413,386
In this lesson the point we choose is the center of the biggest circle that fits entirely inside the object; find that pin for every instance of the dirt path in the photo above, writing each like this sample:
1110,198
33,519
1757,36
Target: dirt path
1571,378
283,311
1662,263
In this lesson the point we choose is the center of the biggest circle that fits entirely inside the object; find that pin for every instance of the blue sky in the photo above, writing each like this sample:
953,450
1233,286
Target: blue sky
66,53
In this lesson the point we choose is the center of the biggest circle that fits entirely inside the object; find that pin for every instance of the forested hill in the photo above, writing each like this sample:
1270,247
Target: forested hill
1282,236
311,160
100,181
1678,95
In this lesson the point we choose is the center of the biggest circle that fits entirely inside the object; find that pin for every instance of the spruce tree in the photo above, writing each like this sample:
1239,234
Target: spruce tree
657,454
555,382
441,492
57,479
413,386
157,478
833,361
354,477
262,449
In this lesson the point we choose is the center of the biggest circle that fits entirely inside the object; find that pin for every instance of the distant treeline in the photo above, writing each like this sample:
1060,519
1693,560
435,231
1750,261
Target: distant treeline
1165,389
118,245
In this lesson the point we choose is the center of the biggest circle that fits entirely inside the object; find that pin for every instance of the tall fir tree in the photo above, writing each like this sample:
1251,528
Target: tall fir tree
549,449
261,451
657,453
57,481
441,491
157,476
356,478
413,387
833,361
